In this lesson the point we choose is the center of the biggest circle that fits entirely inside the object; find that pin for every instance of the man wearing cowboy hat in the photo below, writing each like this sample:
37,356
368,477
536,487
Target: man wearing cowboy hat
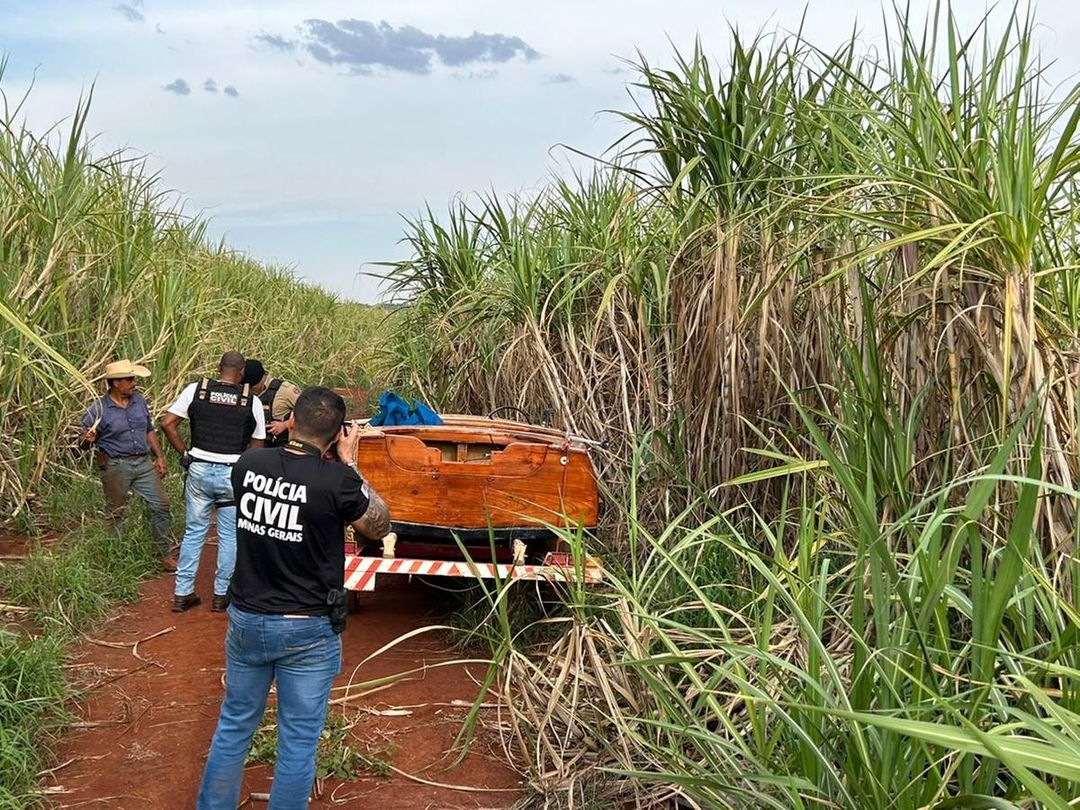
119,425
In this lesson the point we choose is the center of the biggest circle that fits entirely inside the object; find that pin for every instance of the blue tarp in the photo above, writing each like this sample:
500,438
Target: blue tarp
393,410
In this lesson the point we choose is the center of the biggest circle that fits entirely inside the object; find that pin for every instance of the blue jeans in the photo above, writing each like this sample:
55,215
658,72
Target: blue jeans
303,656
206,485
137,474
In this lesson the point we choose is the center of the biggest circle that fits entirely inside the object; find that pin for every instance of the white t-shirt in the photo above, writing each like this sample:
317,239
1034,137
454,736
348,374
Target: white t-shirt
180,408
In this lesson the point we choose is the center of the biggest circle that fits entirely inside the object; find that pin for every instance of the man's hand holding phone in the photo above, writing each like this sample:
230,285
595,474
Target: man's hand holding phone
347,442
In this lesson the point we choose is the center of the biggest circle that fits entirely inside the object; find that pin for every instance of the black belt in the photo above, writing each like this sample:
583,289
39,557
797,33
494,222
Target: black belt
132,455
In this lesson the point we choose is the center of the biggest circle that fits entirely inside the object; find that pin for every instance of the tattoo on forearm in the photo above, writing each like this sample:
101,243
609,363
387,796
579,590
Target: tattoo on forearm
374,524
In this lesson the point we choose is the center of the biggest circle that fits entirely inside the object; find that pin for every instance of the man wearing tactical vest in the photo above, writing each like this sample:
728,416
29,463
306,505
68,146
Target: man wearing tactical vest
278,397
226,418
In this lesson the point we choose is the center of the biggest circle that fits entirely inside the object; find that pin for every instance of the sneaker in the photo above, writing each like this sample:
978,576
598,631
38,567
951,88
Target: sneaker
219,603
169,563
182,603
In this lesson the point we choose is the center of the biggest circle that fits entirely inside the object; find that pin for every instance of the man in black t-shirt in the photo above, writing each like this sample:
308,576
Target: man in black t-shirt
292,509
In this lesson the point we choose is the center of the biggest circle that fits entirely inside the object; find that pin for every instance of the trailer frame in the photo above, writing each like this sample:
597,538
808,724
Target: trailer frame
557,566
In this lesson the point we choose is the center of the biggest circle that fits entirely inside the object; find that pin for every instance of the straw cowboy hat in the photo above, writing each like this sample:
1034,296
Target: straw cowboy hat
125,368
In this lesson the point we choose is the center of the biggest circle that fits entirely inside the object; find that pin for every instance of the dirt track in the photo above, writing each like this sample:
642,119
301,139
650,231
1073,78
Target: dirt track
146,725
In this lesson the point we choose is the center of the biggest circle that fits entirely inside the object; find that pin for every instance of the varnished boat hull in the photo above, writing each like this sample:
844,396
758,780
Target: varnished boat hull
472,479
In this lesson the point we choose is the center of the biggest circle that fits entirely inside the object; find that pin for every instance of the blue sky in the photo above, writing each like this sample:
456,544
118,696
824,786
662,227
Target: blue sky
304,130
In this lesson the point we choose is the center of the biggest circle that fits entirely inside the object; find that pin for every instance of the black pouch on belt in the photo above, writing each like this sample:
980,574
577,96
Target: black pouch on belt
337,601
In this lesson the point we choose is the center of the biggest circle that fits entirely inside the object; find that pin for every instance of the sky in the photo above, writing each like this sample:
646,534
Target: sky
305,131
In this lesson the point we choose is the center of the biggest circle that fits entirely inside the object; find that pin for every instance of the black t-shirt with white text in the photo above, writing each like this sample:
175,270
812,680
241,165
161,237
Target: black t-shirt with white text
291,513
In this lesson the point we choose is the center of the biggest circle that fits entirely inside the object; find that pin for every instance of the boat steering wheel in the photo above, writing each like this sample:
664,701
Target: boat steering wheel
514,408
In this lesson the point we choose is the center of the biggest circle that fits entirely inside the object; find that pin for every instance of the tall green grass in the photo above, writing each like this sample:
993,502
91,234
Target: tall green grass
719,264
97,262
33,692
65,588
821,305
780,702
874,649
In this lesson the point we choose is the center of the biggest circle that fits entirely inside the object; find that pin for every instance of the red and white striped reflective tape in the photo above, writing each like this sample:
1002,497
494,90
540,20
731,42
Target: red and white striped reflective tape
360,571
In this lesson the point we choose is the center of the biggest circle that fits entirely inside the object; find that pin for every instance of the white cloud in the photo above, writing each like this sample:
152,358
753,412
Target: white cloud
178,86
132,11
311,166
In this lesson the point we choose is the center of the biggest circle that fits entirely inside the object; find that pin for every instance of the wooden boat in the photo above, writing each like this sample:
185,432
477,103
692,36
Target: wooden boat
474,478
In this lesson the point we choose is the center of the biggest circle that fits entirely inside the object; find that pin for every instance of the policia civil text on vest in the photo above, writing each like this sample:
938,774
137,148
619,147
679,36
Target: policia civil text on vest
225,420
221,417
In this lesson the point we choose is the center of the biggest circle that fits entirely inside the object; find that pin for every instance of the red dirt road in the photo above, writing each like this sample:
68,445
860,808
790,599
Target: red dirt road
146,724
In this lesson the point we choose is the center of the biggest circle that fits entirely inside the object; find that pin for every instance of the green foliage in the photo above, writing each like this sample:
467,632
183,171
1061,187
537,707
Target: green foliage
97,262
822,307
476,626
337,756
79,579
32,697
861,657
66,586
718,261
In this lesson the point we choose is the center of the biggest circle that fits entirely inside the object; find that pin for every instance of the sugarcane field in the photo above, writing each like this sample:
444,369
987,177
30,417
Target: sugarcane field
461,406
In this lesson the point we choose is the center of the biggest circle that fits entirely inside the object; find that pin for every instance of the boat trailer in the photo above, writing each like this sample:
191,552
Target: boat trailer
458,489
556,566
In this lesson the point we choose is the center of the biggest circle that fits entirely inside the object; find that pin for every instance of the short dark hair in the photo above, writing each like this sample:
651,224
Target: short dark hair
234,361
319,413
254,372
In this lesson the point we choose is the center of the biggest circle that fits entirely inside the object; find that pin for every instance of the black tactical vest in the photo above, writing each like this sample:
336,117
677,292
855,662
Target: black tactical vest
267,400
221,418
